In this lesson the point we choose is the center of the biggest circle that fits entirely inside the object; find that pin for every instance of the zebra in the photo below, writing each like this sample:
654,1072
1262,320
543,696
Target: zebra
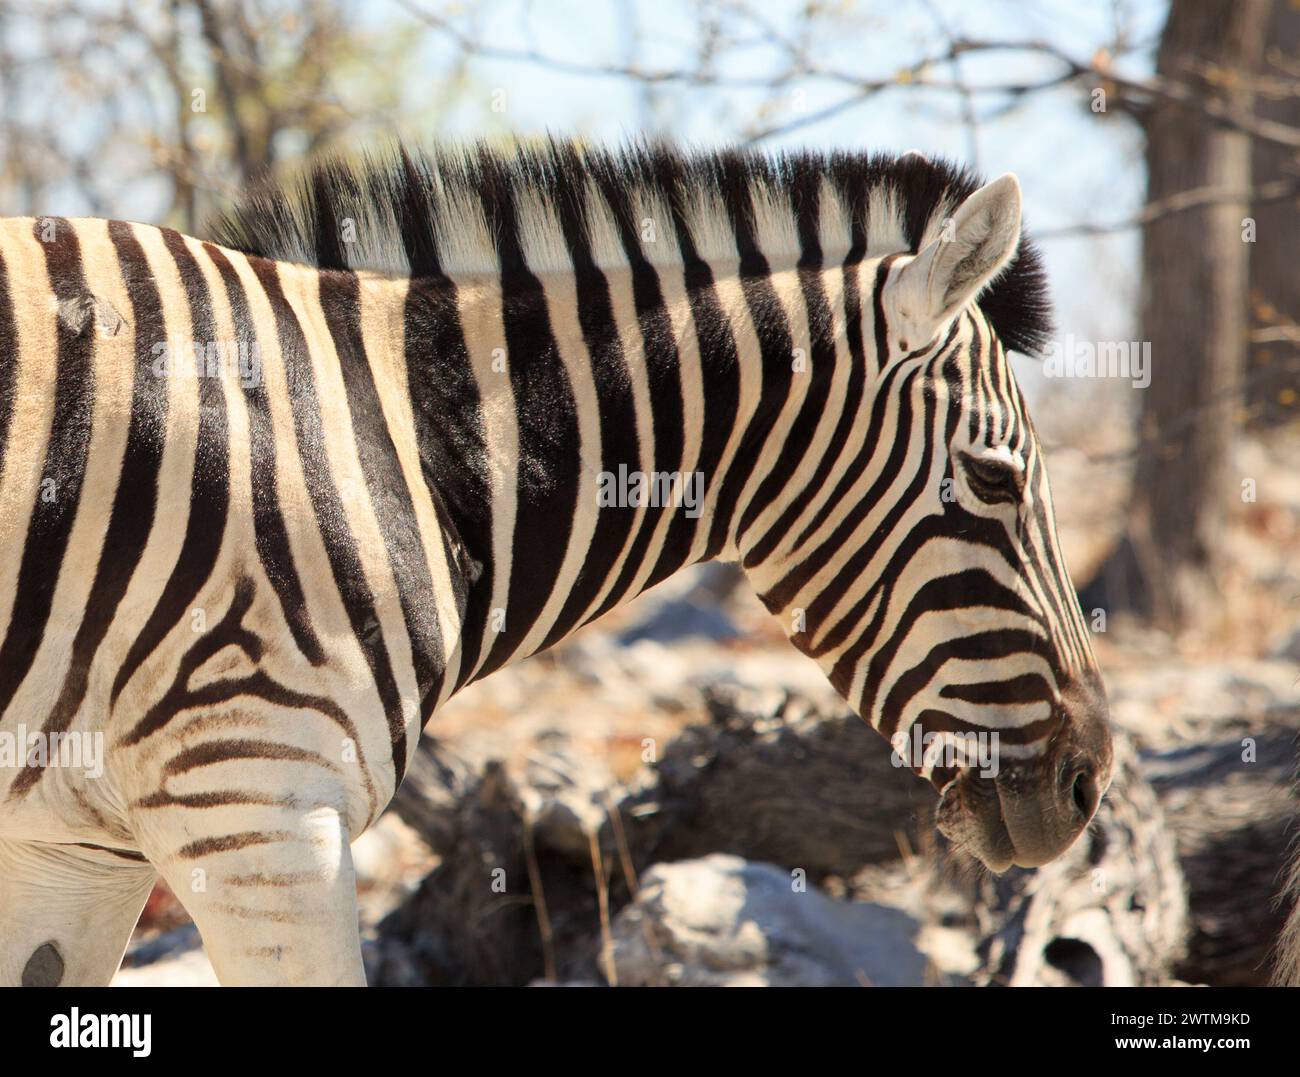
270,497
1286,953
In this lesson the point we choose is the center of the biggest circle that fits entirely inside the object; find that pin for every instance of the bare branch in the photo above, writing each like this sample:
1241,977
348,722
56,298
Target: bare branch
1277,191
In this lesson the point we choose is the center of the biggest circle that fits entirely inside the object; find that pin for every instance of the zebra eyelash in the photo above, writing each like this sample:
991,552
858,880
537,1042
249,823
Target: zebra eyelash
993,481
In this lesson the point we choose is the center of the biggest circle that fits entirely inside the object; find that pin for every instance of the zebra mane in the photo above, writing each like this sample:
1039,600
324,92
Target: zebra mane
422,212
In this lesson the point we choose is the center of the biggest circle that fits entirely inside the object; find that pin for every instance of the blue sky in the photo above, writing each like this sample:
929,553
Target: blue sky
1074,167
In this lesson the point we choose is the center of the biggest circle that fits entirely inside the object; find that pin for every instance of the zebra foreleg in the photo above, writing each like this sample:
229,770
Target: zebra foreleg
66,913
274,898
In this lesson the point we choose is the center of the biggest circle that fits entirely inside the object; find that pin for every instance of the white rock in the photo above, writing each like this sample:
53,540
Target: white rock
724,921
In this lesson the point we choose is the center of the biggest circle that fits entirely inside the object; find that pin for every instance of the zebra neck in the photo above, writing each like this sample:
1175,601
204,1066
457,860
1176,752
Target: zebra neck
592,432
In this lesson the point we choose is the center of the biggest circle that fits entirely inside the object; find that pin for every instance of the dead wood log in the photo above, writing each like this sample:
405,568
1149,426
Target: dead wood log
523,874
1231,806
496,910
774,777
430,796
777,778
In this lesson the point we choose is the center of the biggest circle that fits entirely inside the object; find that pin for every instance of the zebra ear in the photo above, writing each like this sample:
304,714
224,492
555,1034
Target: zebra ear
975,245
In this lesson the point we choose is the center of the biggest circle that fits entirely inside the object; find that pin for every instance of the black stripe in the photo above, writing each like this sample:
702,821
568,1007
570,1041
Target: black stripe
961,590
799,439
233,842
981,412
978,647
327,240
135,502
123,854
331,518
776,364
616,412
930,722
449,431
1025,688
854,390
210,481
230,632
779,596
340,298
448,417
854,567
51,521
776,352
417,225
878,310
269,533
213,753
219,799
662,364
897,462
719,362
548,458
8,362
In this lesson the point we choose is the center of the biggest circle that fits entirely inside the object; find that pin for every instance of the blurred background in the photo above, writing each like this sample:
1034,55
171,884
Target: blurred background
1158,146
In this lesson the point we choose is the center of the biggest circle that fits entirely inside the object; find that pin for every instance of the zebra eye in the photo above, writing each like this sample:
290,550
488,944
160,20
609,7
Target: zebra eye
993,481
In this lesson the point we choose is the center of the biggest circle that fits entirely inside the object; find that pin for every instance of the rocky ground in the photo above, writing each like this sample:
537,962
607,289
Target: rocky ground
576,726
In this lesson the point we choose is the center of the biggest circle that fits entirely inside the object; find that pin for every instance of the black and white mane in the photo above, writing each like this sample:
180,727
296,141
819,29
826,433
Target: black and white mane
415,212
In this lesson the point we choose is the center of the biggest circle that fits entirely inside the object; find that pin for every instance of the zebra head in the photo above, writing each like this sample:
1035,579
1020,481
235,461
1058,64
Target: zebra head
925,574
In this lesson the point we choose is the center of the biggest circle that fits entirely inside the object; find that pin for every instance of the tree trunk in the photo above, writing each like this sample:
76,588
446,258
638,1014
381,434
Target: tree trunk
1273,371
1194,315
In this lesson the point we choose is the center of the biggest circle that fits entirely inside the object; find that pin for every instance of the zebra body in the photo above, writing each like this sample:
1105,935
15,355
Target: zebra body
255,573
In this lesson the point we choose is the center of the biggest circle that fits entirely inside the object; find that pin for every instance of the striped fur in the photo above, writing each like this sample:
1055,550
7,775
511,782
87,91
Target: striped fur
259,582
1286,971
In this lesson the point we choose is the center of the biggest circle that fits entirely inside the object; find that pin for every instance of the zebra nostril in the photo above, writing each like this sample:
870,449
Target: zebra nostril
1084,792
